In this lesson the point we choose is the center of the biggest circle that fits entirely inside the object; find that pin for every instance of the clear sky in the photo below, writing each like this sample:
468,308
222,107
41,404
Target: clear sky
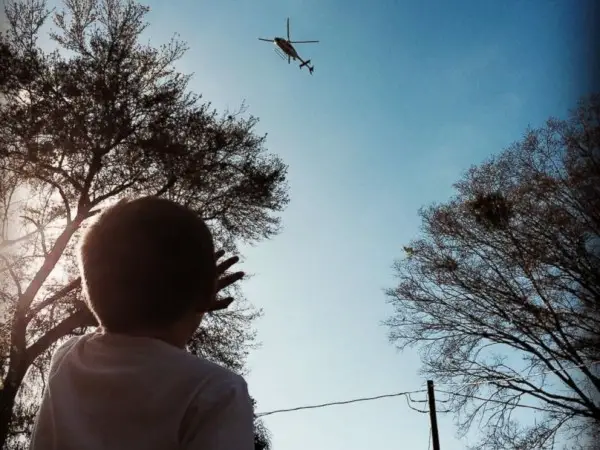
405,96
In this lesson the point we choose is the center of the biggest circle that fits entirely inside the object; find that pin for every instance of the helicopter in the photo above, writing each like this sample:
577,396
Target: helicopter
285,49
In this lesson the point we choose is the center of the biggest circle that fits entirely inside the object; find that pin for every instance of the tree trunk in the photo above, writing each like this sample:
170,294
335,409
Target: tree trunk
8,394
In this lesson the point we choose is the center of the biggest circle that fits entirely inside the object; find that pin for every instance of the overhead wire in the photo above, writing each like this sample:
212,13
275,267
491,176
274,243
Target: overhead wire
520,377
491,400
409,399
343,402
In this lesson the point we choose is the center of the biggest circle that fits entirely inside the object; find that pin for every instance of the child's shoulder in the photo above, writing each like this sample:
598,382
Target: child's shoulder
210,371
163,361
61,351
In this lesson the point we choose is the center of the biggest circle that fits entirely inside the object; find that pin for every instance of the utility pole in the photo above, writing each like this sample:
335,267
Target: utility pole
433,416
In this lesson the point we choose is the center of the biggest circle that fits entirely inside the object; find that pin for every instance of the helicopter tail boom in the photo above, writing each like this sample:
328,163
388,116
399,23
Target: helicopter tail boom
307,64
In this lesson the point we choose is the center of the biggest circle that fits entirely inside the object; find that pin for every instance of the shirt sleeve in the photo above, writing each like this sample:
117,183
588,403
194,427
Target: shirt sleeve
43,428
60,353
224,423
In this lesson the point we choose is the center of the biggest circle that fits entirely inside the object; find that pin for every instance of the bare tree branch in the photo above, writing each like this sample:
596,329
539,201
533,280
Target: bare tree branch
505,268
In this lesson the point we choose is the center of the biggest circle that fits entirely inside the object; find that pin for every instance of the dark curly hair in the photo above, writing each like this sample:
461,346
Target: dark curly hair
146,263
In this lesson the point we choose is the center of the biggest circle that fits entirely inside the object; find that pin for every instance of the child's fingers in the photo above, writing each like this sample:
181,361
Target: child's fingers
228,280
221,304
226,265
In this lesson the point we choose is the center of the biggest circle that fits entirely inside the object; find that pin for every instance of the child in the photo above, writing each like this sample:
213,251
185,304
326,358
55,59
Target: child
149,272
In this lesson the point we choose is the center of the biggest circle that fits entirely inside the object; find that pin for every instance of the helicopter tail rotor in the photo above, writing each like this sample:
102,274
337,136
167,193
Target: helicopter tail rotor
311,69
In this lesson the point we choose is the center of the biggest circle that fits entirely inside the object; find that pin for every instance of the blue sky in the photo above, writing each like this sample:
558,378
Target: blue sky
405,96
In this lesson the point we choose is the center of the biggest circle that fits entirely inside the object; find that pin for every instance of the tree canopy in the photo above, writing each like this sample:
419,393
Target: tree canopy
100,118
502,290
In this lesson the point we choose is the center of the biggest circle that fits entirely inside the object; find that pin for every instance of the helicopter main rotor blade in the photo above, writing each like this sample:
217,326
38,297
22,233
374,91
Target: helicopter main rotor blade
303,42
266,40
288,28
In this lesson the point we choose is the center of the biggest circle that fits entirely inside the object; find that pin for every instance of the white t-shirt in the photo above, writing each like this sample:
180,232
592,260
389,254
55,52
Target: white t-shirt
115,392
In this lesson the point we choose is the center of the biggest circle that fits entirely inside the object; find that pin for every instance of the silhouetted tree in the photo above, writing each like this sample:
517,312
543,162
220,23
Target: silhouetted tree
502,290
104,117
262,437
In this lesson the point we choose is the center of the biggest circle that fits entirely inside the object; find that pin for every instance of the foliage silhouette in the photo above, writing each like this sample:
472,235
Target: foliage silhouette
505,283
101,118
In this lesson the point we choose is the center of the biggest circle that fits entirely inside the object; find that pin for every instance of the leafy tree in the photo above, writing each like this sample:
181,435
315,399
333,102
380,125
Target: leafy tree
104,117
502,290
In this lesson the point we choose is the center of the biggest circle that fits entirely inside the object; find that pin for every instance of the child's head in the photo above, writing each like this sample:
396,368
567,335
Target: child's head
147,264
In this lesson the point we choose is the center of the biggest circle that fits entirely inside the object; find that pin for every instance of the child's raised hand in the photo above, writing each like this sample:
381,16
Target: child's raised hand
225,280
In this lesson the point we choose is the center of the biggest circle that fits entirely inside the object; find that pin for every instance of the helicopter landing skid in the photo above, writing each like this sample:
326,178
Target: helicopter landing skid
280,54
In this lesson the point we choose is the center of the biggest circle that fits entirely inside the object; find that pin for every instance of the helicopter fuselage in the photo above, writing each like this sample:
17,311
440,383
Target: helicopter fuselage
286,47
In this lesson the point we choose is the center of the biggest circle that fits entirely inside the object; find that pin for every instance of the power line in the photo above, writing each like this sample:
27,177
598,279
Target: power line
492,400
520,377
407,394
343,402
